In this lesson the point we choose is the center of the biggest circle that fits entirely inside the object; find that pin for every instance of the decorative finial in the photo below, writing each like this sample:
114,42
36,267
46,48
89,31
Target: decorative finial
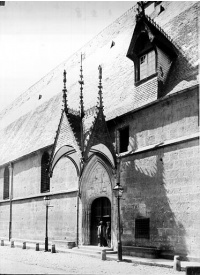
81,82
140,10
100,87
65,92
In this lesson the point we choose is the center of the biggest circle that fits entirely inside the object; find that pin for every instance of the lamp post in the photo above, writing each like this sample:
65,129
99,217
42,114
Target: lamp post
47,204
118,191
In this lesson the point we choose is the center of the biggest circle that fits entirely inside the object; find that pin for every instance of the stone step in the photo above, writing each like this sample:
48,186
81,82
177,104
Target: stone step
90,251
78,252
86,251
94,248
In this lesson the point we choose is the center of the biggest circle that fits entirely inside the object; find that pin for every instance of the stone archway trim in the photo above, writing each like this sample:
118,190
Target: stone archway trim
70,153
103,150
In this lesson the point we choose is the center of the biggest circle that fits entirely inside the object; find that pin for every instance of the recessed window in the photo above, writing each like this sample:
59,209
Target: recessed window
123,139
45,181
6,183
142,228
147,65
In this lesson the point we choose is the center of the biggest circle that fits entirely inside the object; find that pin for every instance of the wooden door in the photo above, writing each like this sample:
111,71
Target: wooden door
100,211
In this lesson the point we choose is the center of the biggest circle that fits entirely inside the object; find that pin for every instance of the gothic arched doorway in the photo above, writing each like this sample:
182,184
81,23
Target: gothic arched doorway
100,210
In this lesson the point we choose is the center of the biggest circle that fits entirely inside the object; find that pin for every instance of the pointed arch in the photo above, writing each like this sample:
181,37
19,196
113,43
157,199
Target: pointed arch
103,150
69,152
93,161
66,142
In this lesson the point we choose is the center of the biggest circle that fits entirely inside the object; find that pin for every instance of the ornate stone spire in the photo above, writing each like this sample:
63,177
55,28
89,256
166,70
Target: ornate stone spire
65,92
81,82
100,87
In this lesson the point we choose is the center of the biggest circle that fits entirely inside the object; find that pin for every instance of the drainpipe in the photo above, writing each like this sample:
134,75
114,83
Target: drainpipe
11,197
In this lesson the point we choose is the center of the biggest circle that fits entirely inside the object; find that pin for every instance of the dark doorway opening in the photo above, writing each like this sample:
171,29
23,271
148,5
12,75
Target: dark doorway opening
100,211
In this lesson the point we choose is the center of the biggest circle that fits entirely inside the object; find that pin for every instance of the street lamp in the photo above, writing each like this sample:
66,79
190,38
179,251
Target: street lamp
47,204
118,191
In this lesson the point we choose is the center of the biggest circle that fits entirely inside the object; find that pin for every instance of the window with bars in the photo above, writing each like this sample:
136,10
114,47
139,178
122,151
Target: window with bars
147,64
6,183
142,228
45,180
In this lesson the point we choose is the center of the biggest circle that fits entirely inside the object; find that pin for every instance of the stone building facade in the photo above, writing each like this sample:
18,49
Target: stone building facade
142,132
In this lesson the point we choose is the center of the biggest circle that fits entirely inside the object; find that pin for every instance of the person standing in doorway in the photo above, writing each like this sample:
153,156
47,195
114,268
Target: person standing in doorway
101,234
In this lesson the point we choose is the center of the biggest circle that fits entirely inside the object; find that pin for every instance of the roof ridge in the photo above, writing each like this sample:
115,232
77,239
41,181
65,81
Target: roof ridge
158,27
151,20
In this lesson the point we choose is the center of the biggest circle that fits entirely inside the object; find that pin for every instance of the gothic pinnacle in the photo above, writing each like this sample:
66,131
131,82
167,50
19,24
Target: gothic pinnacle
81,82
65,92
100,87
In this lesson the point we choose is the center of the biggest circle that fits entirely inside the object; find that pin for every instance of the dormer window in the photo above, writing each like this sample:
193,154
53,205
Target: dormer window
147,65
144,57
153,53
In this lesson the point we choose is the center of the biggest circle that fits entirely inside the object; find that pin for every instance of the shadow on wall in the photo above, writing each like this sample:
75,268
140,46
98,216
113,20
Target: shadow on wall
182,72
185,34
152,192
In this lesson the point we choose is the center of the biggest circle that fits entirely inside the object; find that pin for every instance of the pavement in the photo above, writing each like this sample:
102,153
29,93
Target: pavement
138,260
8,266
109,256
28,261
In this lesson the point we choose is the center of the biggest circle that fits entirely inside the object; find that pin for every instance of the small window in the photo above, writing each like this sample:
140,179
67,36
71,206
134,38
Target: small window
142,59
147,65
123,139
142,229
6,184
45,181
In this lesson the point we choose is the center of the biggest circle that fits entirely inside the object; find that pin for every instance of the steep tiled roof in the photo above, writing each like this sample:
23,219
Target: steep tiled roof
30,123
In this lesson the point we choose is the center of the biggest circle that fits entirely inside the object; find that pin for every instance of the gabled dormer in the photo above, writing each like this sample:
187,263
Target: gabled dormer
153,53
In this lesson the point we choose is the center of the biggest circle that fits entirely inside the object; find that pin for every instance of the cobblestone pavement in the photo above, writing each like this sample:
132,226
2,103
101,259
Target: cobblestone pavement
19,261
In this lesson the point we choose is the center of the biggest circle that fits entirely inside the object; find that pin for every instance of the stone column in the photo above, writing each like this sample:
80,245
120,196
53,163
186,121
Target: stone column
87,227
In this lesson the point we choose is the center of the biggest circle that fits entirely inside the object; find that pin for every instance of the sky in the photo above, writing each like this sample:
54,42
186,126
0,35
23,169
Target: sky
36,36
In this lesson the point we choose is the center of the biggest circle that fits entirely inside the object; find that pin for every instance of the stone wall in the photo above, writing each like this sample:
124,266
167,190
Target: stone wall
27,176
163,185
173,118
64,176
28,209
160,174
4,219
29,218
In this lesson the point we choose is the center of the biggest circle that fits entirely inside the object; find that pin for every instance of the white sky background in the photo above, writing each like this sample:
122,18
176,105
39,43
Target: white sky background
37,36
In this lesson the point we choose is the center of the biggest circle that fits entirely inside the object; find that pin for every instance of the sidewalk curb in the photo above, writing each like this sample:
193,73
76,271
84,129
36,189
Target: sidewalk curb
109,257
144,263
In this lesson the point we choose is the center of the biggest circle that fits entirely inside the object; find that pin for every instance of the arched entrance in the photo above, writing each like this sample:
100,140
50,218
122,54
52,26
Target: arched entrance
100,210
